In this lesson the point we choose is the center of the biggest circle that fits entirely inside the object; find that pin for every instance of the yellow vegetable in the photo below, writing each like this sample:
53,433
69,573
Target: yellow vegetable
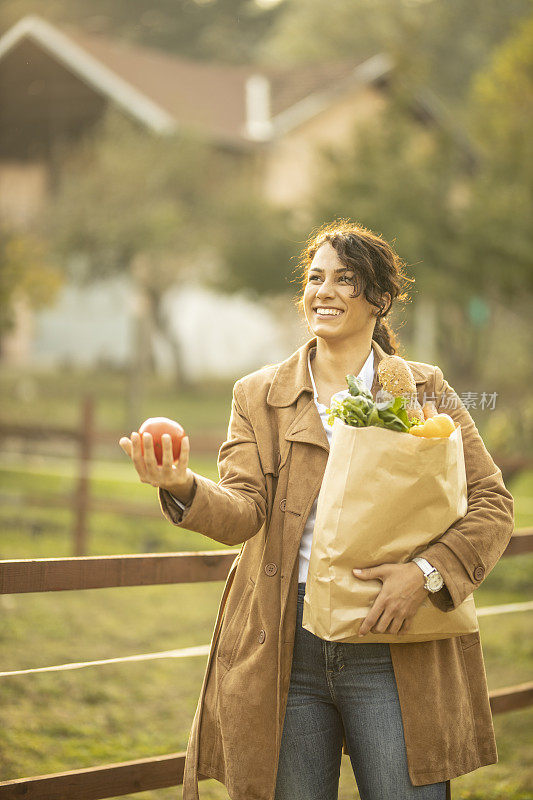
437,427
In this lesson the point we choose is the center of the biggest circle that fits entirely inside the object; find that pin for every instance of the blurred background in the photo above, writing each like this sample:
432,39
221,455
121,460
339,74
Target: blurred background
161,166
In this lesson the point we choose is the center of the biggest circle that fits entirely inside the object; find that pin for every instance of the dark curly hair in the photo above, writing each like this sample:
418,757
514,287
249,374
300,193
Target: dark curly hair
377,268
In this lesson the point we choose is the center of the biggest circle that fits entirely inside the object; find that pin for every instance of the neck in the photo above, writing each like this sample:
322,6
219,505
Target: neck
334,360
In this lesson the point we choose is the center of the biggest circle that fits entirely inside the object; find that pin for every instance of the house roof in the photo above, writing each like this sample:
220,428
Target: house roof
164,91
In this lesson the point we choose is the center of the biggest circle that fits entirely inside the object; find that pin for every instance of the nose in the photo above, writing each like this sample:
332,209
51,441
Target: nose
326,289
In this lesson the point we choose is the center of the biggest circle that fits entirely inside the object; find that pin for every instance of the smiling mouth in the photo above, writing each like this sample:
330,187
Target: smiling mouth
328,312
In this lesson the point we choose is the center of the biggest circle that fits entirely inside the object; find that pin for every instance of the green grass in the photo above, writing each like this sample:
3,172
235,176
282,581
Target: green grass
96,715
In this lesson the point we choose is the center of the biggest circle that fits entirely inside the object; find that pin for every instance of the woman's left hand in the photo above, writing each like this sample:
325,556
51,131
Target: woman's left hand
399,599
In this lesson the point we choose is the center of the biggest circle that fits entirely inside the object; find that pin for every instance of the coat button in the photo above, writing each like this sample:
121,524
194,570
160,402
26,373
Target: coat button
262,636
271,569
283,504
479,573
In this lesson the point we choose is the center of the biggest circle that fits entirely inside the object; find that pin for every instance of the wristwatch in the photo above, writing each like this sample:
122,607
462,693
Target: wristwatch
434,580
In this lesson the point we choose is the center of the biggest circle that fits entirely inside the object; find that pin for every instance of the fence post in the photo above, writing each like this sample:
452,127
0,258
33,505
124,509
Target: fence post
82,489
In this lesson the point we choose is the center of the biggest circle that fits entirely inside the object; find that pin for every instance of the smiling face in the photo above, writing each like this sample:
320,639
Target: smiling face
331,310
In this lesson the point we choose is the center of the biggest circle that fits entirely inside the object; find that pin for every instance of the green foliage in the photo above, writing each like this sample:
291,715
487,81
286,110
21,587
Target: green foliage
398,178
256,244
498,218
439,44
225,30
457,210
26,272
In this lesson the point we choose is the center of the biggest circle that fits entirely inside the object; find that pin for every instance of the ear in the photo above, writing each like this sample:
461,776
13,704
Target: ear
387,300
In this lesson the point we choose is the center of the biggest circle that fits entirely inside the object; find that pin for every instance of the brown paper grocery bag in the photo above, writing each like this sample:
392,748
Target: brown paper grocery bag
385,497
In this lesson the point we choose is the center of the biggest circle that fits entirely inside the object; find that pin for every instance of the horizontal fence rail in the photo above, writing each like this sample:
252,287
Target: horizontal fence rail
511,698
161,772
204,443
97,783
520,542
106,506
105,572
99,572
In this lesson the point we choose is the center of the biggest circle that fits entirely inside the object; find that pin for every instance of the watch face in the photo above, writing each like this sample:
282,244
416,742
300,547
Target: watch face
434,582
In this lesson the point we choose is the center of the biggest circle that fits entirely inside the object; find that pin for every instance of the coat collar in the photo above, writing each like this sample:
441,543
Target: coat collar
292,377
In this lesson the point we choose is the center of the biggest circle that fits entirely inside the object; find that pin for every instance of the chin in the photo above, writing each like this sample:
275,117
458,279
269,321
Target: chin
323,332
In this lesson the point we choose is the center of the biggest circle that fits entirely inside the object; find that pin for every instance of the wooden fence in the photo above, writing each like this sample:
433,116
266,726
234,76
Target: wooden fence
158,772
85,436
80,572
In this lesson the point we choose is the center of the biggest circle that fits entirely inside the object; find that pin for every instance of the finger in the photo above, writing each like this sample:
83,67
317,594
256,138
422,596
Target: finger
184,453
136,448
167,450
368,573
395,625
406,626
149,454
383,623
137,456
126,446
370,619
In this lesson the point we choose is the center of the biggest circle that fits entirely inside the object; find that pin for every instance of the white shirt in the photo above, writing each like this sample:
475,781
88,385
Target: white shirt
367,376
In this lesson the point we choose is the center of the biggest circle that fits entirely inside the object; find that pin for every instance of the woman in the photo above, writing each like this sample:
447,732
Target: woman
278,704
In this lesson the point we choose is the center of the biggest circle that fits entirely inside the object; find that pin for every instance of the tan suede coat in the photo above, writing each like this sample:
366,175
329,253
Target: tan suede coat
271,468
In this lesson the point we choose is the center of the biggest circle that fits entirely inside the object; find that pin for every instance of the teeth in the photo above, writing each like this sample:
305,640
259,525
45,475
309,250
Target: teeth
331,312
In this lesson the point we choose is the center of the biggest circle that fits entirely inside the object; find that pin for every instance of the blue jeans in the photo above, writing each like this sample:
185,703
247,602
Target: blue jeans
345,687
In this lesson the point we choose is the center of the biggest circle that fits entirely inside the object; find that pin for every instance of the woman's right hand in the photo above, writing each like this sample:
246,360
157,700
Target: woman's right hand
175,476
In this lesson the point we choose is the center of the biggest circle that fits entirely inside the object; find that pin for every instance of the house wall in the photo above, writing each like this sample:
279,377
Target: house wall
220,336
291,163
23,191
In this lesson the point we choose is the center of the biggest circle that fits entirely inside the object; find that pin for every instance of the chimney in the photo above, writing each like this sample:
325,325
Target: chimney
258,120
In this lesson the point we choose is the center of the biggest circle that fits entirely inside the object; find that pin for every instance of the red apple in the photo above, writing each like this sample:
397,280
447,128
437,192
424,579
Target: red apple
157,426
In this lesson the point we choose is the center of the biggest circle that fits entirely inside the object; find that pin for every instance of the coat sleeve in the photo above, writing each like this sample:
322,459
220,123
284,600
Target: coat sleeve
234,509
469,549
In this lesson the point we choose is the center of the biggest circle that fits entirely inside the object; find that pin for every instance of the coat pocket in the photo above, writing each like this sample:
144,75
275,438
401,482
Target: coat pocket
231,633
469,639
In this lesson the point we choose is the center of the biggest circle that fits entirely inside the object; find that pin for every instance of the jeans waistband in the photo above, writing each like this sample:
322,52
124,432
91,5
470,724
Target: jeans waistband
301,588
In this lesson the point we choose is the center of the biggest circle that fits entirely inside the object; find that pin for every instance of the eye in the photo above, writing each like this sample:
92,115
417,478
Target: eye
342,278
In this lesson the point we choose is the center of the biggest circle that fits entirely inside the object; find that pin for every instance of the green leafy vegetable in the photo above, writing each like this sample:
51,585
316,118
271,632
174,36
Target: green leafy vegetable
360,410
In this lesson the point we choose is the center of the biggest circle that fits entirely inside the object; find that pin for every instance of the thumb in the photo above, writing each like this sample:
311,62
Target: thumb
125,444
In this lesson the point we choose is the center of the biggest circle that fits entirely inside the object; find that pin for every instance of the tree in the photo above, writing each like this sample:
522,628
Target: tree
398,177
256,245
225,30
440,44
27,274
498,225
406,181
130,203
